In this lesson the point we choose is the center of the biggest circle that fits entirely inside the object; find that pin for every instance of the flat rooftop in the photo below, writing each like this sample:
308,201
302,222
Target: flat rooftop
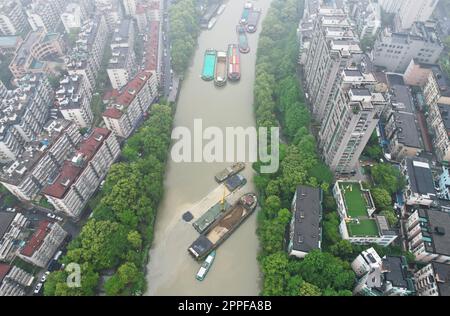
436,231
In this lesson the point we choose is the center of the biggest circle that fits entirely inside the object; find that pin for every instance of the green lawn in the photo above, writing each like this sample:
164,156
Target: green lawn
356,204
366,227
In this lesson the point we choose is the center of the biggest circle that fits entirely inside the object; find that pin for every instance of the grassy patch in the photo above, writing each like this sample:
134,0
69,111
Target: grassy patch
354,199
366,227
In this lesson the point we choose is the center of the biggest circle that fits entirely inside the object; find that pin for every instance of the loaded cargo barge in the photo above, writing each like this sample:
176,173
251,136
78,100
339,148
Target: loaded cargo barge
234,63
209,64
222,228
229,171
252,22
242,39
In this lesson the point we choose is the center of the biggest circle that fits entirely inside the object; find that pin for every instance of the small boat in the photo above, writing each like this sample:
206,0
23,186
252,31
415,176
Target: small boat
229,171
242,39
220,78
201,274
235,182
221,9
211,23
209,64
247,8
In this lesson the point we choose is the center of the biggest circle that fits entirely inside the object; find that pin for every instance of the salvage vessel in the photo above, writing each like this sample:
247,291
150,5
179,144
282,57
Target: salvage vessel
222,228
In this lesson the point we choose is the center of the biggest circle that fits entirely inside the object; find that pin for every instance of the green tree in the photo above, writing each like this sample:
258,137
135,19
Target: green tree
308,289
382,198
388,177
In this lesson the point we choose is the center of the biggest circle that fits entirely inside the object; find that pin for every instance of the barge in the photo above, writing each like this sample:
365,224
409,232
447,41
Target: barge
211,215
248,6
229,171
242,39
252,22
221,229
234,65
220,78
209,64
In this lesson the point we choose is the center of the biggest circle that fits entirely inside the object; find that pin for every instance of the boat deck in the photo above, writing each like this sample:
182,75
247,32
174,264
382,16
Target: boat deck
209,65
209,200
226,223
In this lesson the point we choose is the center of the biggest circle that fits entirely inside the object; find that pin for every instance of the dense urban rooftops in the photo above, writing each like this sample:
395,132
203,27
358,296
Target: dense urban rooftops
435,227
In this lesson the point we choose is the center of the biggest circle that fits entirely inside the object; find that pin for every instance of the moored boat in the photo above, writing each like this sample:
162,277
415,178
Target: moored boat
204,269
235,182
220,77
222,228
242,39
229,171
209,64
245,12
234,63
252,21
221,9
211,23
210,216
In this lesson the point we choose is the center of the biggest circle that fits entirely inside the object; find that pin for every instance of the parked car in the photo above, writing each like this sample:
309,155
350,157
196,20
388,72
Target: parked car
58,254
51,215
11,209
38,288
44,278
59,218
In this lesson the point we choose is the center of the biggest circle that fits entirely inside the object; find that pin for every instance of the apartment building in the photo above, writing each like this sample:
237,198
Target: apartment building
391,6
376,276
433,280
444,184
130,7
305,232
85,58
412,11
40,159
14,281
73,16
352,115
417,73
359,223
395,50
330,50
367,16
122,64
428,235
73,100
23,112
419,189
9,44
80,176
43,244
132,102
44,14
437,96
32,55
11,228
12,18
141,17
112,10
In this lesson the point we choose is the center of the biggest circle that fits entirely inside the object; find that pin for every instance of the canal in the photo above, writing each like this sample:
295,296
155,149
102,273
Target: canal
171,271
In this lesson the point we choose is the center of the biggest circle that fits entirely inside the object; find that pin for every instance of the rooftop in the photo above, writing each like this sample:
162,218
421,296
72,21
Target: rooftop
401,98
9,41
307,219
37,239
442,273
395,271
68,94
6,219
419,176
407,131
72,169
436,231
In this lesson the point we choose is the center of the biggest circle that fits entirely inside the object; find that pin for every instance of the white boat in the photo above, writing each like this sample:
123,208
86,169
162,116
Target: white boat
201,274
221,9
212,22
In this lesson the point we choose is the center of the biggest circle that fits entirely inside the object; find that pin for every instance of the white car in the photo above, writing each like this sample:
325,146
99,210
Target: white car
44,278
38,287
59,218
50,215
10,209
